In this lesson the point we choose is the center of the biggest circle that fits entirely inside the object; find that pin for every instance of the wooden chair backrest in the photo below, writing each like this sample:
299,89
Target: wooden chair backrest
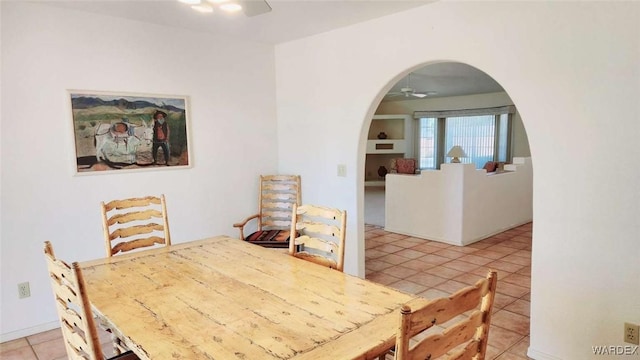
135,223
277,195
320,235
467,338
76,319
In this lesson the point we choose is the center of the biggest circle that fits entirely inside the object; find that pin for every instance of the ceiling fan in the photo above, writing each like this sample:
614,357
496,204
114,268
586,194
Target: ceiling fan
249,7
254,7
408,91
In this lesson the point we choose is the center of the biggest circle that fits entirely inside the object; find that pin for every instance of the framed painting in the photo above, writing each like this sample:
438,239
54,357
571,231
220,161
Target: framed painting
116,132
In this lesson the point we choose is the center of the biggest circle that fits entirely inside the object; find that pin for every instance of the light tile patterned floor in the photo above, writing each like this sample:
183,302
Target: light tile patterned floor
427,268
433,269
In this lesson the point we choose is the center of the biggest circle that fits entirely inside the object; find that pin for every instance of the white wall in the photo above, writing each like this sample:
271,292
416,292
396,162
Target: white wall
572,69
459,204
46,50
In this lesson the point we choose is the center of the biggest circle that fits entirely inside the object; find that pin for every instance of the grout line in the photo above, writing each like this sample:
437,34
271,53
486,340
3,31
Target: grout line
382,237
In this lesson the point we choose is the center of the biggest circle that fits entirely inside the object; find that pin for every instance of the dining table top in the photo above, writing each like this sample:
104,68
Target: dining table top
223,298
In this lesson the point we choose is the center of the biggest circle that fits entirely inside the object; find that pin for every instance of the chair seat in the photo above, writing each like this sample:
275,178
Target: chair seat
277,195
270,238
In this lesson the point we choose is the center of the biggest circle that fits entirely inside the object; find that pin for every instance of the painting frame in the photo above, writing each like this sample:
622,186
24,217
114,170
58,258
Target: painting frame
119,132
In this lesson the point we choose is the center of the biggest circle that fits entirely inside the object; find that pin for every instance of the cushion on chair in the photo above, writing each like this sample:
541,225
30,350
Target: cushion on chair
490,166
270,238
406,166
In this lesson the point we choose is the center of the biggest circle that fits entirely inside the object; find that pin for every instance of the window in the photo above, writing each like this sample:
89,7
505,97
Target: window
427,143
484,134
504,138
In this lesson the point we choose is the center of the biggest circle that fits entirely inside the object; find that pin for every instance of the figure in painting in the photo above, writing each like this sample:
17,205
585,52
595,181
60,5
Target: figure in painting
121,143
160,136
130,128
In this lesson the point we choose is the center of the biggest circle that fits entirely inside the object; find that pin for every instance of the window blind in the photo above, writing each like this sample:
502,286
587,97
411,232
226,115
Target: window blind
508,109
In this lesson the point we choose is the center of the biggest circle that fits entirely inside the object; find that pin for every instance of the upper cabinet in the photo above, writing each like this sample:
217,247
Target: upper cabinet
390,134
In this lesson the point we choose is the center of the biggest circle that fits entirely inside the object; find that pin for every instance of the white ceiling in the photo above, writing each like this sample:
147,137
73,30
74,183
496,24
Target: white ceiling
291,20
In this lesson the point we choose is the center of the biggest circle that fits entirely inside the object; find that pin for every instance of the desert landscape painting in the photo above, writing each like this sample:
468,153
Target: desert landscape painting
119,131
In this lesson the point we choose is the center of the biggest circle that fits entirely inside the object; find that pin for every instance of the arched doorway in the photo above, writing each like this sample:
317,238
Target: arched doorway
423,265
440,86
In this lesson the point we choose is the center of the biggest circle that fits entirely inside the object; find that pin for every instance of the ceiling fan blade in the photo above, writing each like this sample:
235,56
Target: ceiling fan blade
422,94
255,7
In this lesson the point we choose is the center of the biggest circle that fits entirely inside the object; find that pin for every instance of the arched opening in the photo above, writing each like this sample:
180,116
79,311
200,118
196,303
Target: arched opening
404,253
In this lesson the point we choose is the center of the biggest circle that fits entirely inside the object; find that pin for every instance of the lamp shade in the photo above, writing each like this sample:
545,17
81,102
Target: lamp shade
456,153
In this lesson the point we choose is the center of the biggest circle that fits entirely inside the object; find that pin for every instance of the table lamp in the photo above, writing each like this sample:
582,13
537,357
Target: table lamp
456,153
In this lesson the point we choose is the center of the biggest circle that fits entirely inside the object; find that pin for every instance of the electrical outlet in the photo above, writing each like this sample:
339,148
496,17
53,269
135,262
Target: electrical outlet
631,333
23,290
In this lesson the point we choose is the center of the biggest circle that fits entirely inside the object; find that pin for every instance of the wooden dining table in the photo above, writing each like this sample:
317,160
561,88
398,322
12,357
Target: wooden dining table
223,298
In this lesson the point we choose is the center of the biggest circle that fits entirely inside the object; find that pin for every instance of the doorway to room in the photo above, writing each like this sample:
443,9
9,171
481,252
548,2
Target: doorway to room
433,268
395,133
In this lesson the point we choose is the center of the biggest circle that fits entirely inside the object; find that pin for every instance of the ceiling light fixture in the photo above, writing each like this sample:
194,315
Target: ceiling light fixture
202,8
226,5
230,7
249,7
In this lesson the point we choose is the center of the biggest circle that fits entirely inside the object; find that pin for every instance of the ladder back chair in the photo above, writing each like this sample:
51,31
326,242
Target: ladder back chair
276,197
74,310
135,223
465,339
320,235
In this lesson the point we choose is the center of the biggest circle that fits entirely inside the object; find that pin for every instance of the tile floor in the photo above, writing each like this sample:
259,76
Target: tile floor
46,345
418,266
433,269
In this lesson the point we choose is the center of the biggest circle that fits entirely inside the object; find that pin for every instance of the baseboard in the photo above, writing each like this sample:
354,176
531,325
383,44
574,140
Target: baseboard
374,183
420,236
539,355
445,241
29,331
485,236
